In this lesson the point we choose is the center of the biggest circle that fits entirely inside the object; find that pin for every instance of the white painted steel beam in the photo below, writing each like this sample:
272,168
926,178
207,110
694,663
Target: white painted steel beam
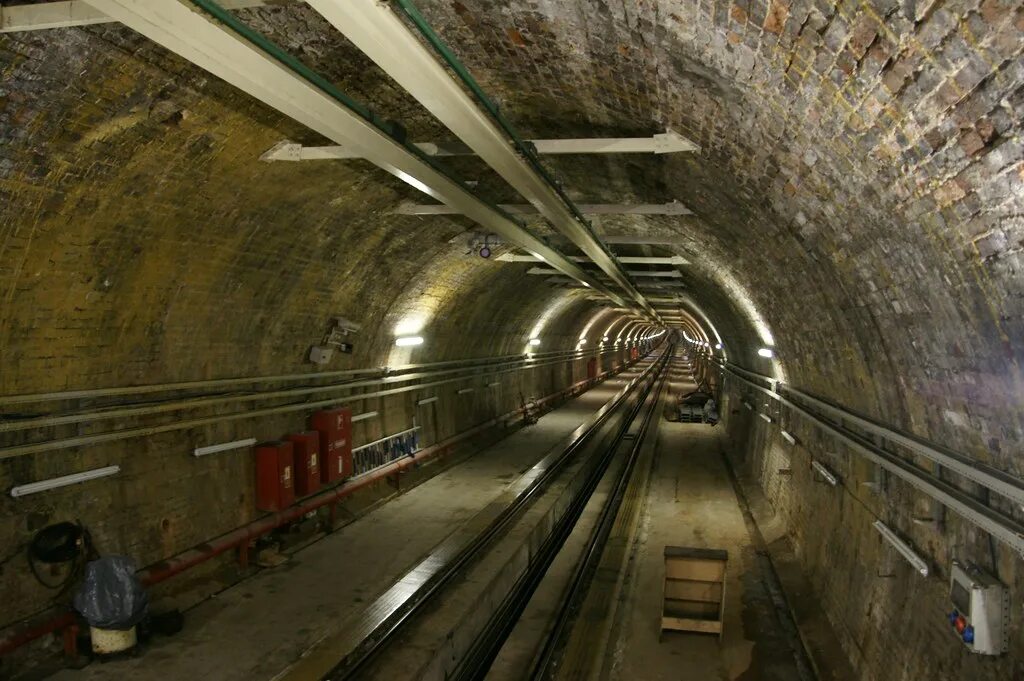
625,260
642,240
661,287
672,208
70,13
632,273
669,142
386,39
182,29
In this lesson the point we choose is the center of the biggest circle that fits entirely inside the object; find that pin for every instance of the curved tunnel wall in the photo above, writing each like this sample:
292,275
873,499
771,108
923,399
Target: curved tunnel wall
858,193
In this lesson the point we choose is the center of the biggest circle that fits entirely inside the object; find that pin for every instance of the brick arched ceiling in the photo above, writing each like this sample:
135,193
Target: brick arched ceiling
858,196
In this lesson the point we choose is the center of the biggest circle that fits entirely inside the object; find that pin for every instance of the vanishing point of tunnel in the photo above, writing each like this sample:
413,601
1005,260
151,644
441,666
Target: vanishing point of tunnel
512,339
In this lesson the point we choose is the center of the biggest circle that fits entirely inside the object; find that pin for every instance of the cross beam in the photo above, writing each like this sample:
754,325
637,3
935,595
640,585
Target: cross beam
633,273
626,260
672,208
668,142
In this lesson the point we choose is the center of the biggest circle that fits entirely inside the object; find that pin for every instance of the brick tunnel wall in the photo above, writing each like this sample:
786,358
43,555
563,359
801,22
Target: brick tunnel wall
142,242
858,196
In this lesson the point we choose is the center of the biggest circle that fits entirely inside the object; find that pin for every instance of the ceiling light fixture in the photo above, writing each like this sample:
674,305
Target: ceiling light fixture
407,341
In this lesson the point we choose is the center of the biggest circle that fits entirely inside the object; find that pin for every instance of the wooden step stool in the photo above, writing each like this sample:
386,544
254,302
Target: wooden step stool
694,598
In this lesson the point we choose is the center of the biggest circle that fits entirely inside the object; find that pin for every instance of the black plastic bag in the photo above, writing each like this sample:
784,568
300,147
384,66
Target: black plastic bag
112,597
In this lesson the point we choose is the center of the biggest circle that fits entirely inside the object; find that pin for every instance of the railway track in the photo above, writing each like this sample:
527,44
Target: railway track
449,615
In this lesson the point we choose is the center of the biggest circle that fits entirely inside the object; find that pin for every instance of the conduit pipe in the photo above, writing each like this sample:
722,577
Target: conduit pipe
112,412
281,378
128,433
242,57
383,37
986,518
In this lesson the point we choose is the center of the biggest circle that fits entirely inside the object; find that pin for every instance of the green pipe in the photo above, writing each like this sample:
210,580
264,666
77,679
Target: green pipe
525,148
291,63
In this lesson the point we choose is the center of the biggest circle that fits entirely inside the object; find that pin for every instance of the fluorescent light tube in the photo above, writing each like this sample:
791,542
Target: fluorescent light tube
904,548
825,473
406,341
365,415
223,447
63,481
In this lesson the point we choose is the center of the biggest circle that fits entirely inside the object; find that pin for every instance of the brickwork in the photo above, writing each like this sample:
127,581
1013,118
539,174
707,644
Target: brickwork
859,190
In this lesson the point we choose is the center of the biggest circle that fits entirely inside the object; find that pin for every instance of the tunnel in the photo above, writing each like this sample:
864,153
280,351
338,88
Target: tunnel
507,339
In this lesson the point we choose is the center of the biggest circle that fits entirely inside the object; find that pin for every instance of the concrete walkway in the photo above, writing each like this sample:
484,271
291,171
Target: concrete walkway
691,502
260,626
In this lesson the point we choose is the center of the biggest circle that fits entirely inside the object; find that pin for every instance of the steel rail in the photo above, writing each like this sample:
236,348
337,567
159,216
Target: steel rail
585,568
433,577
986,518
490,640
129,411
129,433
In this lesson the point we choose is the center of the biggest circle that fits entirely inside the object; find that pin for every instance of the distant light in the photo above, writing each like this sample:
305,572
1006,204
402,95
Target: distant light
605,339
766,352
583,341
535,341
718,346
406,341
585,284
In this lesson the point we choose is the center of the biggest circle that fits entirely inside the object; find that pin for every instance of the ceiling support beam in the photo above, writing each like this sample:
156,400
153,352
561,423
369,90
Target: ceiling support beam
81,13
669,142
625,260
384,37
543,271
179,27
672,208
664,287
643,240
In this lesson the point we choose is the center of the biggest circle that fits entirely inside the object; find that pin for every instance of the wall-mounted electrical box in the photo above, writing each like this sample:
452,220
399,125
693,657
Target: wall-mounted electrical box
335,428
306,447
981,609
336,338
275,476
